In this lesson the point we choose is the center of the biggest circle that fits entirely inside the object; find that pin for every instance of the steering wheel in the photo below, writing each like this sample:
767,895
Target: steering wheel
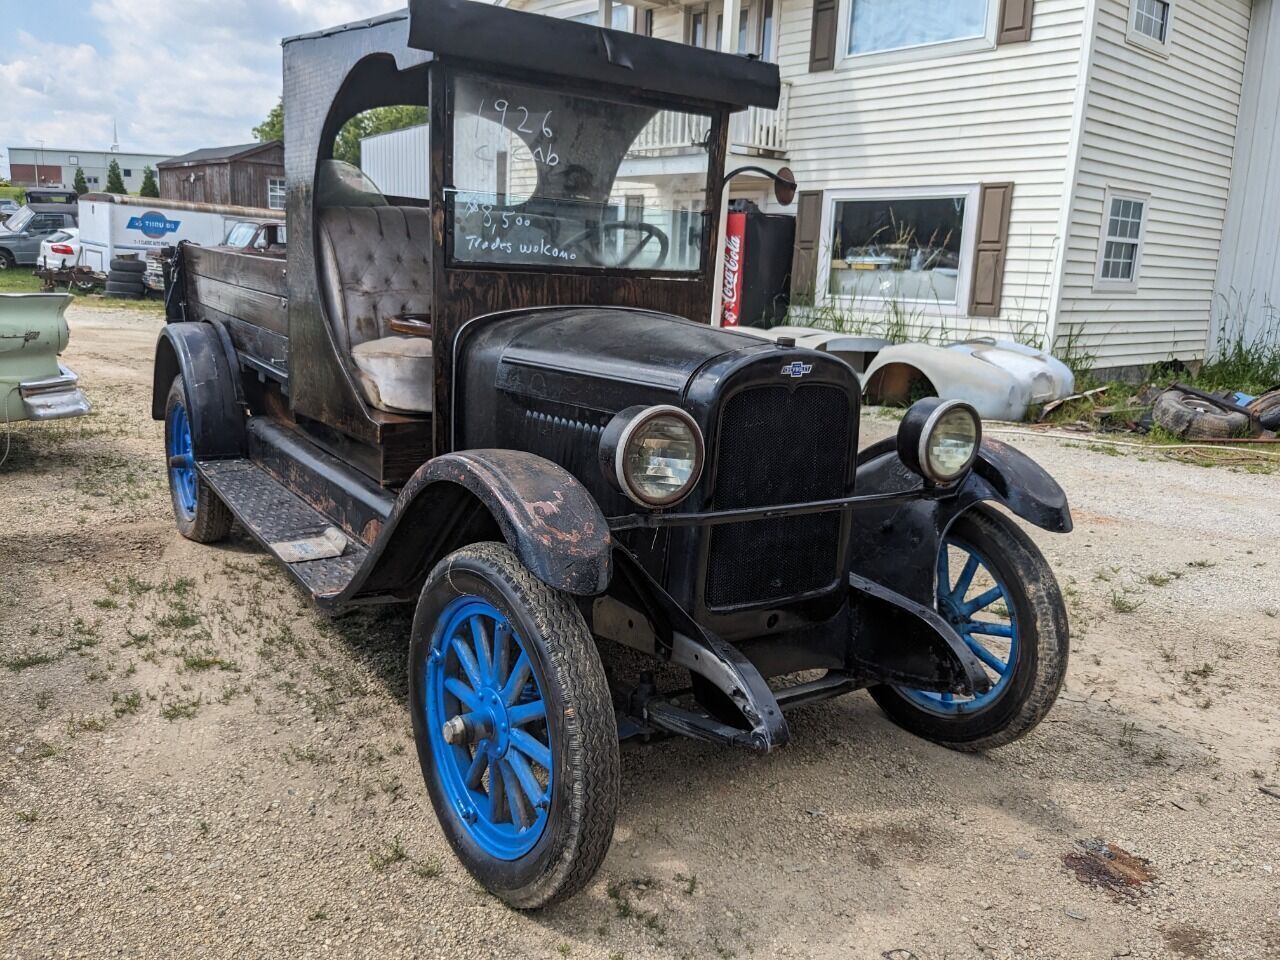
594,252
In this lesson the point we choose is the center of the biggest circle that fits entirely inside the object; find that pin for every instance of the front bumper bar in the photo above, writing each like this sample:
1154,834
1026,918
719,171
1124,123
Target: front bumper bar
54,398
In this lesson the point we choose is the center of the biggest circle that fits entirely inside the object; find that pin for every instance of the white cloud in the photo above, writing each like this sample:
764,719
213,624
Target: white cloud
175,76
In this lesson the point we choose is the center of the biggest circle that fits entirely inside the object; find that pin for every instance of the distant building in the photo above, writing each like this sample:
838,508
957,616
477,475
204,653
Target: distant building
56,167
248,175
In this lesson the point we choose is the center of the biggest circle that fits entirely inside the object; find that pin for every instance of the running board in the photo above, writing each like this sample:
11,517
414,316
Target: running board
286,525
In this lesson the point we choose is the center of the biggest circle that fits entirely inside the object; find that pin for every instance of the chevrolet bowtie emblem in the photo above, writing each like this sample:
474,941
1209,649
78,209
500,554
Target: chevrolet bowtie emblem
797,369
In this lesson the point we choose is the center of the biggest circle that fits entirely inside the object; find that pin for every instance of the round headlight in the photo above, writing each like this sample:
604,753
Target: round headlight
939,439
655,454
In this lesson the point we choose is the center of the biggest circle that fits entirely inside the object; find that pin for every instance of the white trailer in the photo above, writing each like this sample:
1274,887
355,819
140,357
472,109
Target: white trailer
113,225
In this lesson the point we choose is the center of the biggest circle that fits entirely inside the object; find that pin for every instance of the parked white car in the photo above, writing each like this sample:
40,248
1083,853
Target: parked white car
60,250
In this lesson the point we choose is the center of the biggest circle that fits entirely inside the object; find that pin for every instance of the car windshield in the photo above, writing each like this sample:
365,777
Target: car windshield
546,178
241,235
18,222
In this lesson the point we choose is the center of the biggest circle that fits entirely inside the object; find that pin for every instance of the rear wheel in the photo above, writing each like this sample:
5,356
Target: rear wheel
200,515
997,591
6,260
514,725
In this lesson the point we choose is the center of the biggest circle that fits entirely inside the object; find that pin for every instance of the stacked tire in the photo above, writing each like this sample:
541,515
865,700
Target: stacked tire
124,281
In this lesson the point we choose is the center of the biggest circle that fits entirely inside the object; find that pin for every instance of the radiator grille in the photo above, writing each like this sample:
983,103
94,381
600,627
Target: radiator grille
777,446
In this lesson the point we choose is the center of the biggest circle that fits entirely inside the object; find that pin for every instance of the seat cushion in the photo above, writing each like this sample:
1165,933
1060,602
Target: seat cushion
396,373
376,264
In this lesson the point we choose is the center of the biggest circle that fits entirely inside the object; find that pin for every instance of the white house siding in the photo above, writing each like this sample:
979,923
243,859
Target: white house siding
1248,289
1165,127
1002,114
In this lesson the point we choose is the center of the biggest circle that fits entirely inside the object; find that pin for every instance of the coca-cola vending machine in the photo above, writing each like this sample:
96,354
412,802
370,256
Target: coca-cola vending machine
757,266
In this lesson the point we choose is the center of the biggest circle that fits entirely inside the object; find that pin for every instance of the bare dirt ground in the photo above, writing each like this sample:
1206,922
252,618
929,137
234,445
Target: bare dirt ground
194,762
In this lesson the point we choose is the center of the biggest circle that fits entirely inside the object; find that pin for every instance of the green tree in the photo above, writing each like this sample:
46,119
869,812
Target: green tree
347,146
81,184
115,182
149,186
271,128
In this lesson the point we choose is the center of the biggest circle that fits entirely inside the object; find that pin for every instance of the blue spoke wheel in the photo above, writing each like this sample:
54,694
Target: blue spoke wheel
200,515
999,594
485,712
514,726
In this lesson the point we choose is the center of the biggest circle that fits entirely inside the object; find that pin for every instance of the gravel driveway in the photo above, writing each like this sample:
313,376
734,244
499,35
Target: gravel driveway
197,763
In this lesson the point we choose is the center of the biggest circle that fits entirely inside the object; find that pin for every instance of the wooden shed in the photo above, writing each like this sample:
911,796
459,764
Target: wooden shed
247,175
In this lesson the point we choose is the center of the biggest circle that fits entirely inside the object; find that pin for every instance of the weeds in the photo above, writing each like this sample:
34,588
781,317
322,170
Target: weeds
388,855
28,660
1122,604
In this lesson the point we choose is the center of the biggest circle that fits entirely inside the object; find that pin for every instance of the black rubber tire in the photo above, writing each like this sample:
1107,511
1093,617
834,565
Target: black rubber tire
124,289
1192,418
120,265
7,262
581,725
1044,642
213,519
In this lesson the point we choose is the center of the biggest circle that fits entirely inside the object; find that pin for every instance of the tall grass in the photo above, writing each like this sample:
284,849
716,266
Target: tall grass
1246,354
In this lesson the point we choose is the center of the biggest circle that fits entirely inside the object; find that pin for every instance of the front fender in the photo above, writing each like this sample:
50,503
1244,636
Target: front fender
897,545
545,515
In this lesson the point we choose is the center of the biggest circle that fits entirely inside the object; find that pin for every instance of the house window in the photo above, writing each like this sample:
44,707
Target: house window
73,159
275,193
127,172
900,248
1120,247
879,25
1151,25
621,14
696,28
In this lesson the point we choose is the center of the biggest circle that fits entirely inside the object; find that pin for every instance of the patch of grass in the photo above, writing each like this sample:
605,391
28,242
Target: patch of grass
180,709
1122,604
1201,564
316,916
26,661
127,704
690,883
1158,579
199,662
28,816
427,871
388,855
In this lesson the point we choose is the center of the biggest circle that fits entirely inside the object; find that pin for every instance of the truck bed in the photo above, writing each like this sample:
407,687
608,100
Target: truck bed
247,293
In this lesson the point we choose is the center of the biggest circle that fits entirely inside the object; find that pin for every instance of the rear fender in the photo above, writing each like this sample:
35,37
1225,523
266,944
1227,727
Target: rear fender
543,513
897,544
203,355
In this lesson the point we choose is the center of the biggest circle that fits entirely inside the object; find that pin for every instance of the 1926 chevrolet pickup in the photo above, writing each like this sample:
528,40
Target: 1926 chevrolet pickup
503,400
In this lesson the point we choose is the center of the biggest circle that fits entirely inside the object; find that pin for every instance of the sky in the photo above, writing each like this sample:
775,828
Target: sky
174,74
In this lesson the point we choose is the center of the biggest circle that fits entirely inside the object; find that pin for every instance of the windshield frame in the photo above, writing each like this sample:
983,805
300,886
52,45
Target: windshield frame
712,178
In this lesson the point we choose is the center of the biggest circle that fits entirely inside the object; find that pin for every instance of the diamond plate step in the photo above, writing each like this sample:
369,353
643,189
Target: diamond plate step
274,514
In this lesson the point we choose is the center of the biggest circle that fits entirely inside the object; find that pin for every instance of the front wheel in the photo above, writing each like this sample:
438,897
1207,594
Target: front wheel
514,726
200,514
997,591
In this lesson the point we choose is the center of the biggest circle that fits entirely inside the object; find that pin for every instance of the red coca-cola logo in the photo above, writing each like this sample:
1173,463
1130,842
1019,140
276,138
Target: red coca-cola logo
731,290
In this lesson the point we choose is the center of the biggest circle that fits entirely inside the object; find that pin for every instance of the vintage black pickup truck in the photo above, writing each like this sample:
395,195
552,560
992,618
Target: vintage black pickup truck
503,400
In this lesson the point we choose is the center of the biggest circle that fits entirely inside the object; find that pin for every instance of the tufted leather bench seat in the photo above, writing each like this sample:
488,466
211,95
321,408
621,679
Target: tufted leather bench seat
376,262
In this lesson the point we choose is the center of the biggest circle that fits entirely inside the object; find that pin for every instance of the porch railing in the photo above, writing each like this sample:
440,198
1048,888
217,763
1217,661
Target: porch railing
754,130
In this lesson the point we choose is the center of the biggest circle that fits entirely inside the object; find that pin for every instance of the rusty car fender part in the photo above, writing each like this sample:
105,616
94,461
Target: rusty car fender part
898,542
655,624
198,351
540,509
897,640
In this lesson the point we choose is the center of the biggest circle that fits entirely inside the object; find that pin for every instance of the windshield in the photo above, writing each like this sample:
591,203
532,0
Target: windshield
241,234
18,222
545,178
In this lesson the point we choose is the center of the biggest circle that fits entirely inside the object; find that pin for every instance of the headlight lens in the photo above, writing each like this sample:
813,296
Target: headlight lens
659,456
939,439
950,445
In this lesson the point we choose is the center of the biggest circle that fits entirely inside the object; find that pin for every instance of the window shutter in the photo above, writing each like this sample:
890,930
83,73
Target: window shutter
990,250
1015,21
804,255
822,39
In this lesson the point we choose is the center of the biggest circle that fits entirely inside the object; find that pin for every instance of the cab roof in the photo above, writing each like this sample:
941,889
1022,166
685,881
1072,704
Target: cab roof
532,43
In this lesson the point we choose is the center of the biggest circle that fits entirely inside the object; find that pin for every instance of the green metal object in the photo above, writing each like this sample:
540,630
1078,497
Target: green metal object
33,384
